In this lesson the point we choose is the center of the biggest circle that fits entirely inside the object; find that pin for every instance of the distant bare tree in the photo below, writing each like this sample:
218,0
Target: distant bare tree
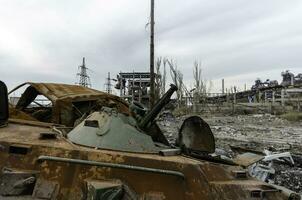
177,78
173,72
164,76
158,79
161,75
200,85
209,86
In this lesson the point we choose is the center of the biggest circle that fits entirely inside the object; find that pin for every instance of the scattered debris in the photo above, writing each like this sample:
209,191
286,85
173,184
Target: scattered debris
264,170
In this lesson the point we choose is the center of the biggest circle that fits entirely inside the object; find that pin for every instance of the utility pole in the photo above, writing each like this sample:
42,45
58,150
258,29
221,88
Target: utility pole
222,85
84,78
152,76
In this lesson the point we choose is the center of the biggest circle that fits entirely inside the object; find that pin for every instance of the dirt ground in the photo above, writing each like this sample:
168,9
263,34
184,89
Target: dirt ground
255,133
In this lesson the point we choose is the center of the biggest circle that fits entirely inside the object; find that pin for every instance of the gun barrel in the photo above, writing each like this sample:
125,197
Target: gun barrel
151,115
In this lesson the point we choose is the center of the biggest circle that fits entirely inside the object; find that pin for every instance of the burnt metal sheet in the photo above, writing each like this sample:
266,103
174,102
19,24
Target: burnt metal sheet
65,101
247,159
3,104
45,190
14,182
31,123
55,91
98,190
15,113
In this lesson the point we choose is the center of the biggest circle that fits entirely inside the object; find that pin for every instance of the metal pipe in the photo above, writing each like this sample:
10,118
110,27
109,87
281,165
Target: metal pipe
111,165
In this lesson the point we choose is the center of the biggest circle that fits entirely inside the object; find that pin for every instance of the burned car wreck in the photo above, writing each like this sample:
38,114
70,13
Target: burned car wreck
91,145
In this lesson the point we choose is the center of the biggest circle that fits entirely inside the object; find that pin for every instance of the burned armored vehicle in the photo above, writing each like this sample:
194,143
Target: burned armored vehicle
85,144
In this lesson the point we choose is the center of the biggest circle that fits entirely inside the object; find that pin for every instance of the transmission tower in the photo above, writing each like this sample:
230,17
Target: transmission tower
108,84
84,79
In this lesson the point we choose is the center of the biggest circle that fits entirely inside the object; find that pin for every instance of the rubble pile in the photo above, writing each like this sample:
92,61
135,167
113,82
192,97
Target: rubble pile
250,126
257,132
279,168
289,176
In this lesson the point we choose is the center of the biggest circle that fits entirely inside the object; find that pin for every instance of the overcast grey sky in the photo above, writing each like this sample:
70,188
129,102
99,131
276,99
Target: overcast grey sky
239,40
